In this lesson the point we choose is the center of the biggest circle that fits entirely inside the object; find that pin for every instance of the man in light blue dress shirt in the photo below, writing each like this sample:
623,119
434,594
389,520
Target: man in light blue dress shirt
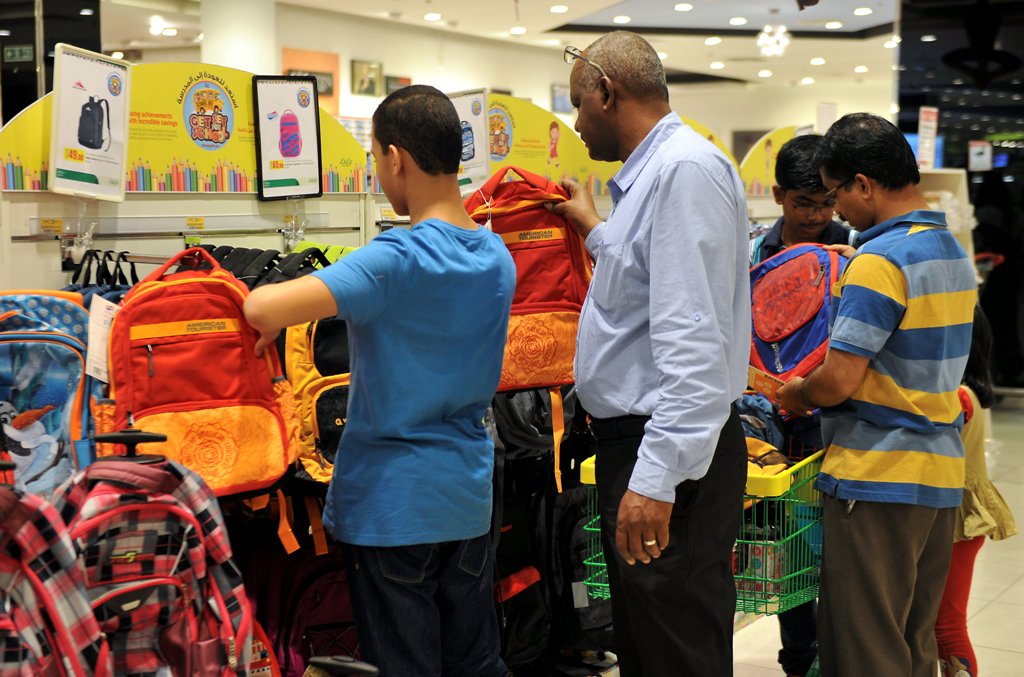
662,351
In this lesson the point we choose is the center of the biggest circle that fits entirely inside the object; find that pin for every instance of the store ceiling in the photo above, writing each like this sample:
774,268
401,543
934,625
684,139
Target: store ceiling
680,35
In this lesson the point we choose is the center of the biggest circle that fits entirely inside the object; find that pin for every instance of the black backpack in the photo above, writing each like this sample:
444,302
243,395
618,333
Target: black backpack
90,123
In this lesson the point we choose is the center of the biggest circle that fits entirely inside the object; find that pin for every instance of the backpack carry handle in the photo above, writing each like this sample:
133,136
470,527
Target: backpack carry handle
199,252
538,189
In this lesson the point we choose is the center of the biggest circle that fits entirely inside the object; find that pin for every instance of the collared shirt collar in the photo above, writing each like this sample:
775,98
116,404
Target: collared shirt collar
918,216
634,164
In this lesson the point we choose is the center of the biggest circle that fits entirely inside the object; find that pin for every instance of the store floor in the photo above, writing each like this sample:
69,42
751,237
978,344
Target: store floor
996,605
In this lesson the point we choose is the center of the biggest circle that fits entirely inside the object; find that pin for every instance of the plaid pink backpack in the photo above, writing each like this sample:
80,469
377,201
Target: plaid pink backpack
46,623
158,569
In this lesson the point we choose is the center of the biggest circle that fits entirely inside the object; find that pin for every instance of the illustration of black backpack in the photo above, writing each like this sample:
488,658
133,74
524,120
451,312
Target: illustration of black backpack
90,123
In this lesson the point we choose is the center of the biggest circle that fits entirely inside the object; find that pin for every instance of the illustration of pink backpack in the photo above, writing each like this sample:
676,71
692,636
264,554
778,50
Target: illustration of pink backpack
290,143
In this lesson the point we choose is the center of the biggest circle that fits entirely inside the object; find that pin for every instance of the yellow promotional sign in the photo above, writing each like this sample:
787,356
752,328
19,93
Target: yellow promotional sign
190,129
757,170
527,136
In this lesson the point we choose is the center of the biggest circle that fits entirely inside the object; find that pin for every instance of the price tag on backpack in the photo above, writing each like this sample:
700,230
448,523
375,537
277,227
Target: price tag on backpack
764,383
101,313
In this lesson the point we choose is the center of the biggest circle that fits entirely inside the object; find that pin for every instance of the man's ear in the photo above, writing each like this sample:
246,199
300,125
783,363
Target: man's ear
607,92
778,193
865,186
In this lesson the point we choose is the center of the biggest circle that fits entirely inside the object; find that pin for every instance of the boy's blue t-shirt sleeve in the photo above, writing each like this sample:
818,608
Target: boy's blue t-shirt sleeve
364,281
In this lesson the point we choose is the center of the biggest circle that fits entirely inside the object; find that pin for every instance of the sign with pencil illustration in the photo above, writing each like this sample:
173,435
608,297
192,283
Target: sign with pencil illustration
89,125
287,137
190,129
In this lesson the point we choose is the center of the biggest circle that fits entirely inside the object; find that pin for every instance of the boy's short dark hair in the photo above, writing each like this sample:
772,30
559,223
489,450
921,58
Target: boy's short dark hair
423,121
862,143
795,168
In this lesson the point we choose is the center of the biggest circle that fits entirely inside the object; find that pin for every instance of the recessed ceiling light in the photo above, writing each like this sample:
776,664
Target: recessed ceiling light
817,61
156,24
863,11
662,55
764,74
737,21
117,55
860,69
5,33
894,108
553,42
807,80
517,30
683,7
558,9
834,25
897,39
432,16
712,41
928,38
169,32
86,11
621,19
889,44
716,65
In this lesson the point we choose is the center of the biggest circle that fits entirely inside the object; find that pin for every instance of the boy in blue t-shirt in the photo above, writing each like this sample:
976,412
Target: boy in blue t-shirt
427,312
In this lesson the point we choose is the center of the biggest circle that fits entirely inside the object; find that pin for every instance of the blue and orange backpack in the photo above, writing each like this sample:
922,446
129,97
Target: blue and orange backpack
791,301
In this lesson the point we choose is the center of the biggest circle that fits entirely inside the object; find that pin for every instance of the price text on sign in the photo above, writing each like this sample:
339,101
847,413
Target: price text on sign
74,154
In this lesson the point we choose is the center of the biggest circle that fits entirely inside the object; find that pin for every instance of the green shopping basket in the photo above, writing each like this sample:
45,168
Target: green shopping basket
777,556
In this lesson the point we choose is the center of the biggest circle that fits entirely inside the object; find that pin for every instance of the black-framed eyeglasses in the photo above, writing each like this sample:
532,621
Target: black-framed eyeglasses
831,195
572,53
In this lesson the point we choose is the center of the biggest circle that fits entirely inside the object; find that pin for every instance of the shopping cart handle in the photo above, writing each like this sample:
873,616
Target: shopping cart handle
339,665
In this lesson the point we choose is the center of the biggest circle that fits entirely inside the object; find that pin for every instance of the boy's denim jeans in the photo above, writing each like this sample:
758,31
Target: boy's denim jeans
426,609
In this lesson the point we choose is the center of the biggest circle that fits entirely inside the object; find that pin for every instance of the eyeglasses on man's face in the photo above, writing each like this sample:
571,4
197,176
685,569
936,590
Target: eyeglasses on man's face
831,195
572,53
808,208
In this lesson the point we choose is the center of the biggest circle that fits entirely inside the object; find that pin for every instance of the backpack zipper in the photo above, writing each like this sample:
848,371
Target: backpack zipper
821,274
149,359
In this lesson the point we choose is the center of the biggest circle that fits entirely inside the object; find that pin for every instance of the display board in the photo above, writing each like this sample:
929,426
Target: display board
757,170
474,168
287,137
88,124
527,136
190,129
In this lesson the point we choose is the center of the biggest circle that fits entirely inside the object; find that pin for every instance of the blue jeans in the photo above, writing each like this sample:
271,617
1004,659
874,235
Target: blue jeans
426,610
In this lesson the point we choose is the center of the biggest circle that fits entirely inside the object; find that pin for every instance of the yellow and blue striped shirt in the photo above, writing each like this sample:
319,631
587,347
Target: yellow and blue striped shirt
906,301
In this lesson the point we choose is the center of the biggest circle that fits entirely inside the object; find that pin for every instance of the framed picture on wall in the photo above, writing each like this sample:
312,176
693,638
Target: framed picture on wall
560,99
393,83
367,78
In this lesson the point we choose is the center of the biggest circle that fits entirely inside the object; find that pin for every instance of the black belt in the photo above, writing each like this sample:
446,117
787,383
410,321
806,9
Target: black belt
618,427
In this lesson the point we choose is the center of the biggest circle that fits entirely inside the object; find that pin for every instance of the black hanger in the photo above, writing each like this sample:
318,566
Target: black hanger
131,438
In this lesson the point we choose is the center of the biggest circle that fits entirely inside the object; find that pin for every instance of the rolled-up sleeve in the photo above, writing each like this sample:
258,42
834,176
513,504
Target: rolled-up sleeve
692,266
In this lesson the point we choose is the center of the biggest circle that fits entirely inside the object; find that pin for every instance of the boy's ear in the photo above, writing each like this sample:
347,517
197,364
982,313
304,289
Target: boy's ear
393,159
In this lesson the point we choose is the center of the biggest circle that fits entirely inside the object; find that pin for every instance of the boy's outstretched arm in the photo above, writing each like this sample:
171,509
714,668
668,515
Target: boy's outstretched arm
273,307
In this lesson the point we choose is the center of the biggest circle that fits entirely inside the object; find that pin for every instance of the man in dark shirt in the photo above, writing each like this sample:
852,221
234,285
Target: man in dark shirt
806,217
806,209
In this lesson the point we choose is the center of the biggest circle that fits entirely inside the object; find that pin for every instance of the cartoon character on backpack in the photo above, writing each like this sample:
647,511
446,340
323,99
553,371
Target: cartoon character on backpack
90,123
290,141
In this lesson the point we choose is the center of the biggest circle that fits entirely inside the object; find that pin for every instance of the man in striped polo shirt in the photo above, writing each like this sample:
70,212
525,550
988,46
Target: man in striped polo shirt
894,471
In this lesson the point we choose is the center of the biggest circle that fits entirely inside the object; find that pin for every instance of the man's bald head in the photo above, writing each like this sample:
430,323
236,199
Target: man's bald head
630,62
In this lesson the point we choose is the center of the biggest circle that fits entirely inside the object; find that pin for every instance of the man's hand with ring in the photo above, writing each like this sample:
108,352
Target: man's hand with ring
641,531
